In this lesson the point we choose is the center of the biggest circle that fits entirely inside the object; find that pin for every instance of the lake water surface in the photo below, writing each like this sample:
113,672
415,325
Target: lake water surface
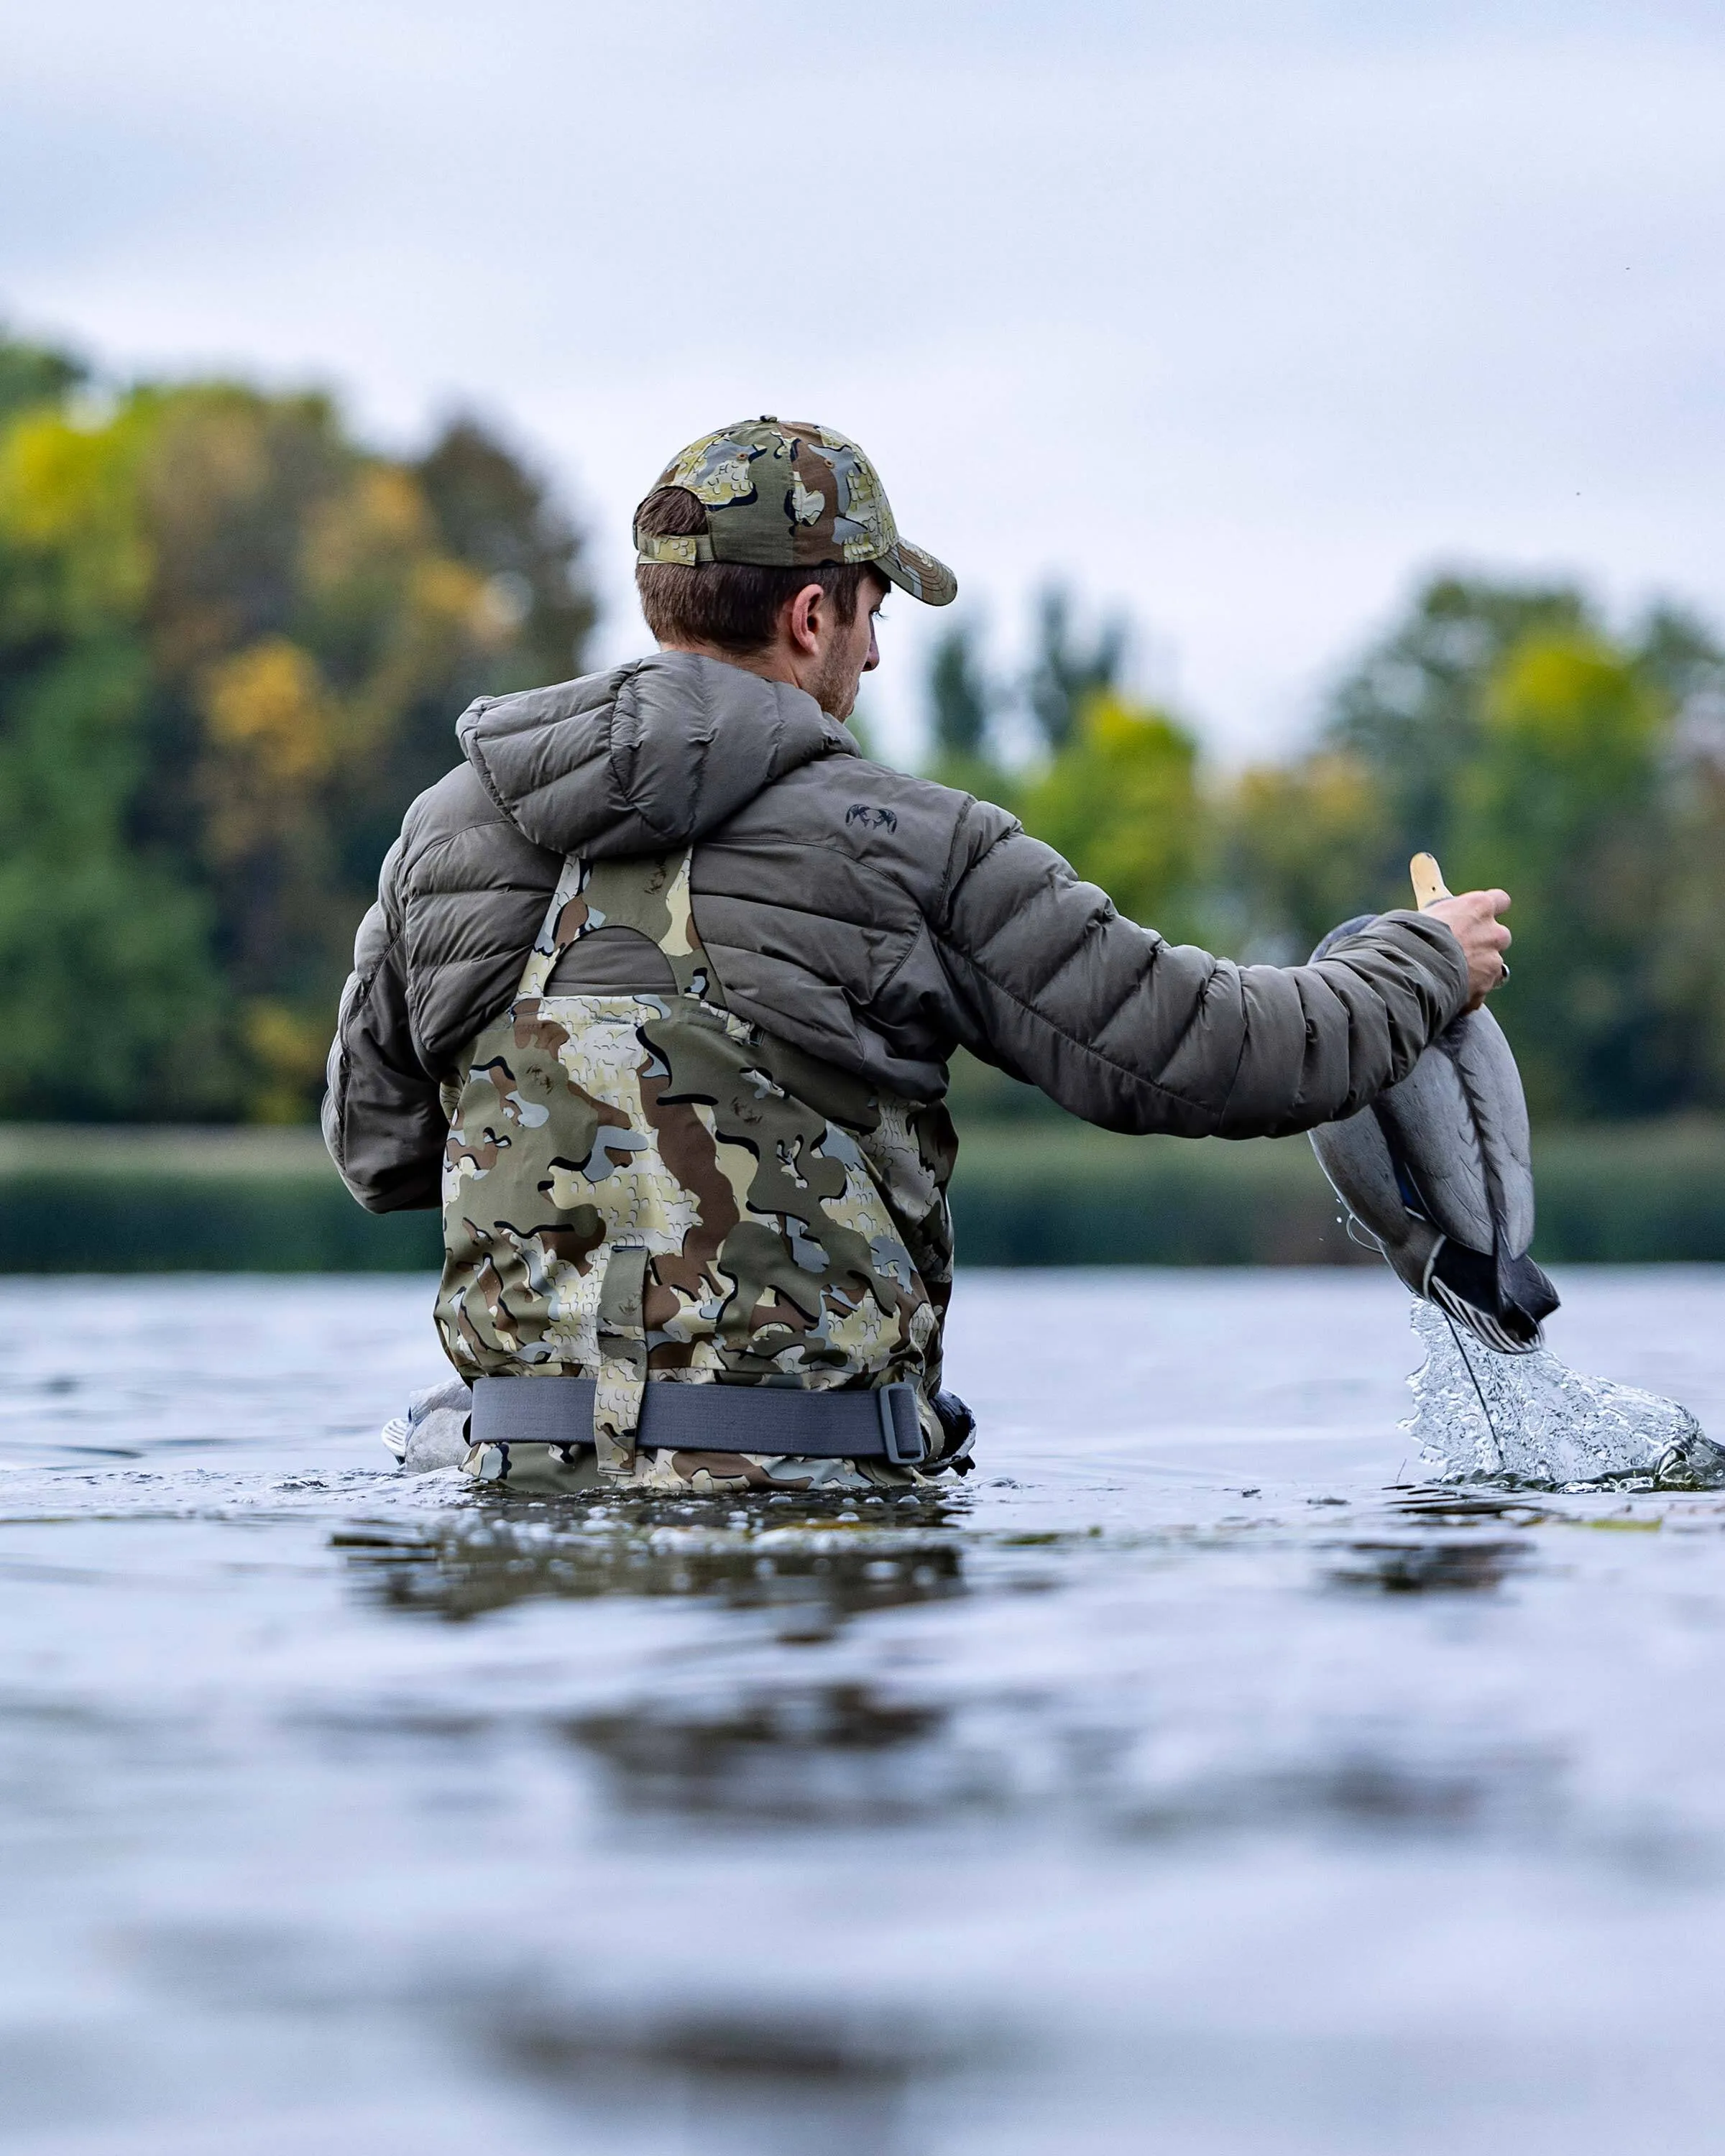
1178,1781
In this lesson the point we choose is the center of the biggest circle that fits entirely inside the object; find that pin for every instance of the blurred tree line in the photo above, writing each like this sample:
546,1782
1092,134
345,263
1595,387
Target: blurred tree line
233,643
1501,725
234,640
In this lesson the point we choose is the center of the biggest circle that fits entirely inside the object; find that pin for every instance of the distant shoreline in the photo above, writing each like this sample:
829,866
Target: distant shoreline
116,1198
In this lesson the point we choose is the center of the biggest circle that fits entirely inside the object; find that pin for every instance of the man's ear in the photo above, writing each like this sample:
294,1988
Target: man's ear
805,618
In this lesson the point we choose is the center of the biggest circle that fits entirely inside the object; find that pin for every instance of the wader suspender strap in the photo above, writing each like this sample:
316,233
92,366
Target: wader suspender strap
542,958
621,1380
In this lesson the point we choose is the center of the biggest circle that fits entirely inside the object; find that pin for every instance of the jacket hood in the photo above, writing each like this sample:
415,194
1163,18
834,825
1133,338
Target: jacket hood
644,757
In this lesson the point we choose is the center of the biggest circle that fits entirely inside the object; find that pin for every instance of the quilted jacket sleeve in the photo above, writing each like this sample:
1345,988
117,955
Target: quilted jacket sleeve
1139,1035
382,1119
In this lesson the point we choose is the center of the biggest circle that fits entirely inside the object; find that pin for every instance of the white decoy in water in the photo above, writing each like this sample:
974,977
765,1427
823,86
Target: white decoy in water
1438,1172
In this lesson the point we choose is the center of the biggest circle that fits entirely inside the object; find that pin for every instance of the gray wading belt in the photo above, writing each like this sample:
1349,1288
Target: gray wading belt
878,1425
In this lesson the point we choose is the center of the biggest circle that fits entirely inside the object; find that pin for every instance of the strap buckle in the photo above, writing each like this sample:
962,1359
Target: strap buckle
901,1426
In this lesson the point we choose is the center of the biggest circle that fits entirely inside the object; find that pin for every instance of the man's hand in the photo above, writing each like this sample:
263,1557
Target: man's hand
1483,938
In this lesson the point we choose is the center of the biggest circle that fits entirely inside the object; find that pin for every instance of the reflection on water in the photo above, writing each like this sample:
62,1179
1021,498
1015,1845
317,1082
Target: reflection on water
463,1567
1190,1779
780,2085
835,1752
1428,1567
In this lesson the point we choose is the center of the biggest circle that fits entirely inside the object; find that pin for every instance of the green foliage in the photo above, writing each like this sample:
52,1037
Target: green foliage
1560,802
234,642
964,705
1504,727
1500,725
1064,673
232,645
111,994
961,698
1411,712
1121,801
1303,848
493,513
34,374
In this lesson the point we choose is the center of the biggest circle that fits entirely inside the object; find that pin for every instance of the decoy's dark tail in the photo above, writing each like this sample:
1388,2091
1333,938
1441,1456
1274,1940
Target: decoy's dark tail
1501,1301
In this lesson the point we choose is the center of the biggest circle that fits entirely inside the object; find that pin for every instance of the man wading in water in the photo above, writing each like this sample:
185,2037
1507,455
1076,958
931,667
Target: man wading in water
658,998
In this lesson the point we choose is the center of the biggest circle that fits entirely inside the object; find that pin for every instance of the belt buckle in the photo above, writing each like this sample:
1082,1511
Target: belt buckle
898,1450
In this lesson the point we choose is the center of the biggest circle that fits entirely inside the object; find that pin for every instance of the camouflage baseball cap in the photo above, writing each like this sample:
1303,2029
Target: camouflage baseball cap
784,495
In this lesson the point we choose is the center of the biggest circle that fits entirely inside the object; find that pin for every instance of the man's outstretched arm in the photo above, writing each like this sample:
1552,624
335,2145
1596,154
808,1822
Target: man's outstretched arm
1138,1035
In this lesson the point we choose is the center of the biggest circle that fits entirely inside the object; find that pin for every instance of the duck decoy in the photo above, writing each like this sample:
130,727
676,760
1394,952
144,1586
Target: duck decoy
1438,1172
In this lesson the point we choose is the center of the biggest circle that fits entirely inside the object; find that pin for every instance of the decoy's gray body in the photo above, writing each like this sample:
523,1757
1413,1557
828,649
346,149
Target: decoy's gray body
1439,1171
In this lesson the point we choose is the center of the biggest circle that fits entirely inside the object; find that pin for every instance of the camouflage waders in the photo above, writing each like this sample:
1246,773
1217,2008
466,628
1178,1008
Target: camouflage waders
641,1189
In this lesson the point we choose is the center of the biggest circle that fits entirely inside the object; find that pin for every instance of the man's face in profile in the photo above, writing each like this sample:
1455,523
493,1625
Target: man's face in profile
849,651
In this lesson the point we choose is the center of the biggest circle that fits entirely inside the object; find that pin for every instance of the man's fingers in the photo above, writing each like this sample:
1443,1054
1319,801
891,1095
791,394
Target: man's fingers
1473,916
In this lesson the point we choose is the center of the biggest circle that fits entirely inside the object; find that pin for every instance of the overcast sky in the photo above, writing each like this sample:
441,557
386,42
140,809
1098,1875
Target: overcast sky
1240,315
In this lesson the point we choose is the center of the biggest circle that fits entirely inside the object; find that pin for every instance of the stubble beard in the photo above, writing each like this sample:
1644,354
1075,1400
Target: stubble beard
834,687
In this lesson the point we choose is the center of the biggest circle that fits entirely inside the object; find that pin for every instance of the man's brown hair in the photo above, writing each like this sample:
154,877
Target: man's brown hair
732,605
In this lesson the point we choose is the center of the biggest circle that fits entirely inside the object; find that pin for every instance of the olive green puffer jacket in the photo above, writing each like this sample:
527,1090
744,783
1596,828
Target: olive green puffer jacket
874,919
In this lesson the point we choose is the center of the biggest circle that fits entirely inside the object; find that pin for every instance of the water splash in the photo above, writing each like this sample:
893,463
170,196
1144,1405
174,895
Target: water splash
1531,1420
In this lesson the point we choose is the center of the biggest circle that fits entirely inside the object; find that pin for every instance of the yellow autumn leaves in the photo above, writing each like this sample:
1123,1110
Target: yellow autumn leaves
233,643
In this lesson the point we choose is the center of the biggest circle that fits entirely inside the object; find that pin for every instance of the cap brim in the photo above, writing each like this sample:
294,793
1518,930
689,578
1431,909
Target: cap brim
919,574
